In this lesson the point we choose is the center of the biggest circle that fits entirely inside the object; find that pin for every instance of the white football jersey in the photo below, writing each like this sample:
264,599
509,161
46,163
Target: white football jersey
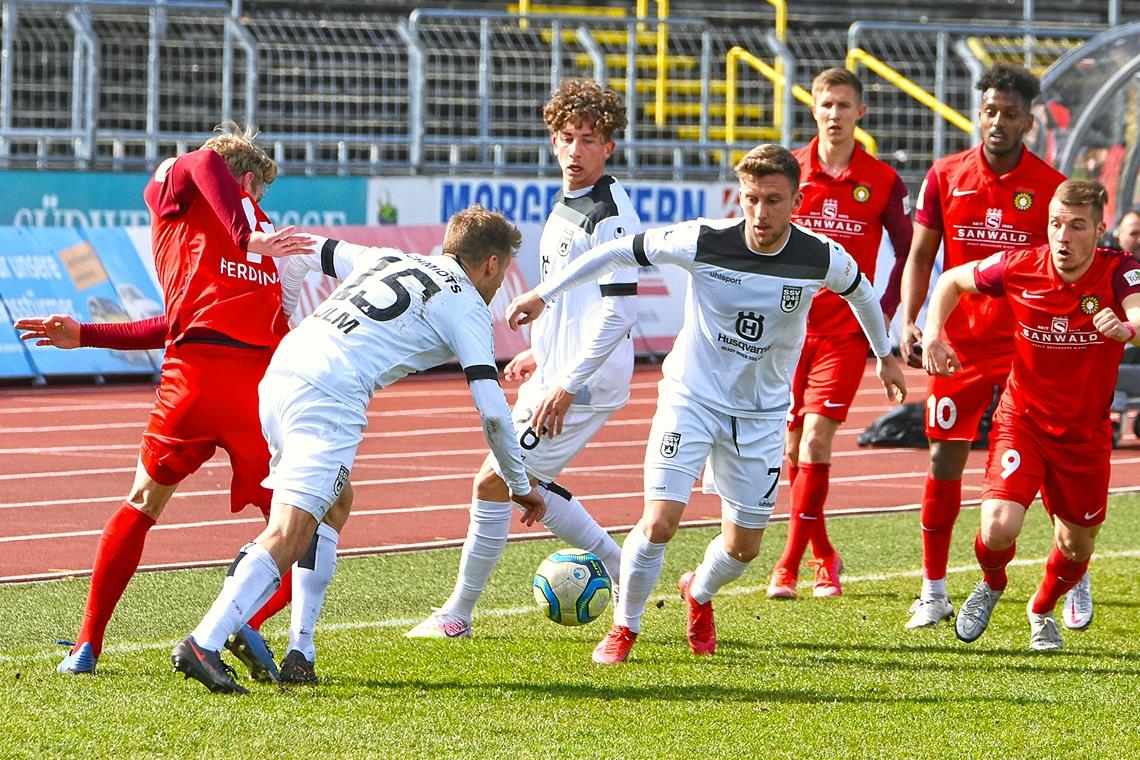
394,313
578,222
745,312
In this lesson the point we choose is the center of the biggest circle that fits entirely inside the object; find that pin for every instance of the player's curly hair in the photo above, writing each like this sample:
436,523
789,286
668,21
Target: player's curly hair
767,159
584,100
474,234
1009,77
236,145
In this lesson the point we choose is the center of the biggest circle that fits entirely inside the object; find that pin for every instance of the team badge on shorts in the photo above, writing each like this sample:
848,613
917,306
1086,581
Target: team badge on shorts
670,443
341,480
861,193
1090,304
790,298
1023,201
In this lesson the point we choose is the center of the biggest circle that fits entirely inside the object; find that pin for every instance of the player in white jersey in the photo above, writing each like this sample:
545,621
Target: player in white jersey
394,314
726,384
578,368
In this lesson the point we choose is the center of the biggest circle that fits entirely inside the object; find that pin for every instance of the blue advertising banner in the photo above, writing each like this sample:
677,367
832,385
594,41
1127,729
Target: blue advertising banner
13,355
46,271
114,199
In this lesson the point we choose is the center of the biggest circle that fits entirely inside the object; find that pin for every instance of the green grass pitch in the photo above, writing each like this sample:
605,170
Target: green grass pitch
824,678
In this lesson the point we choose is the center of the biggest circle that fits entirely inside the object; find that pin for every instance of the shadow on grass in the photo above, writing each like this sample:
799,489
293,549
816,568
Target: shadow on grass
688,693
971,658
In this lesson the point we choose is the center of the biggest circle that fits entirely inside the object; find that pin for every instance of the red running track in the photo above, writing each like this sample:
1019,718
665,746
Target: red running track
67,456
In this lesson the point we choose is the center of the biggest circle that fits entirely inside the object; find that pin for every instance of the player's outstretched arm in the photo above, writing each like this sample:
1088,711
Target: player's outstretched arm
59,330
63,331
284,242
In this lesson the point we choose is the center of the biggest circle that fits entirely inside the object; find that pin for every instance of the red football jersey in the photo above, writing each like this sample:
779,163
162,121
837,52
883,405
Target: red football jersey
200,226
1064,369
853,209
980,213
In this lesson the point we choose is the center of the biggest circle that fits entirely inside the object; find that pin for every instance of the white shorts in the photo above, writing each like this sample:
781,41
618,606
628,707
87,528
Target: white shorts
544,458
312,440
744,454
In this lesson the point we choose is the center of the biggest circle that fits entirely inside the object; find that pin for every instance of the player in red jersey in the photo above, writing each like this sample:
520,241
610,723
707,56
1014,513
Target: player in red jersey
214,251
851,197
1074,306
986,199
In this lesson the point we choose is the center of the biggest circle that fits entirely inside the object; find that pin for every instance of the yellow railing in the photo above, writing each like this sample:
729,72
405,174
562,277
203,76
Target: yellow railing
857,56
662,53
737,55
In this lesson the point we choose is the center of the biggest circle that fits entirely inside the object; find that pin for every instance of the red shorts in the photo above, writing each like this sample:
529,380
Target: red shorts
207,398
955,405
827,377
1071,476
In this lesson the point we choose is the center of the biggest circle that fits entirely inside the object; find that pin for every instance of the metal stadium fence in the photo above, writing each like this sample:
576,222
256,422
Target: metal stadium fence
115,84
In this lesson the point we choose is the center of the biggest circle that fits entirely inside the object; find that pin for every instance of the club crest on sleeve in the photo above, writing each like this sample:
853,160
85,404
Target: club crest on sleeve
790,298
1132,277
670,443
1090,304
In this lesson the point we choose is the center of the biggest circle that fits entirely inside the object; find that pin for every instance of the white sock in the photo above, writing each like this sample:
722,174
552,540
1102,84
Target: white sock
933,588
568,519
250,581
641,562
311,576
486,539
717,570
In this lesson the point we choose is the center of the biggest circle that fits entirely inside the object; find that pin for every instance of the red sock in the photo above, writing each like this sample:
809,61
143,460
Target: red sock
808,494
281,597
941,503
1061,575
116,559
815,496
993,563
793,471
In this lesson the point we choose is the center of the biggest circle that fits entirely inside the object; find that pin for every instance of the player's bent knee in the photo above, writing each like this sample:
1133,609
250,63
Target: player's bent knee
489,485
338,513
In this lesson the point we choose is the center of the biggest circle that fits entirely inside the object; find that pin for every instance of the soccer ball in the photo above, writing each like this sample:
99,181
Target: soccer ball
572,587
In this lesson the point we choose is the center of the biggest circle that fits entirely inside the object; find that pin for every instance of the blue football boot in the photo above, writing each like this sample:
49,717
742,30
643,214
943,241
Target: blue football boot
81,661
